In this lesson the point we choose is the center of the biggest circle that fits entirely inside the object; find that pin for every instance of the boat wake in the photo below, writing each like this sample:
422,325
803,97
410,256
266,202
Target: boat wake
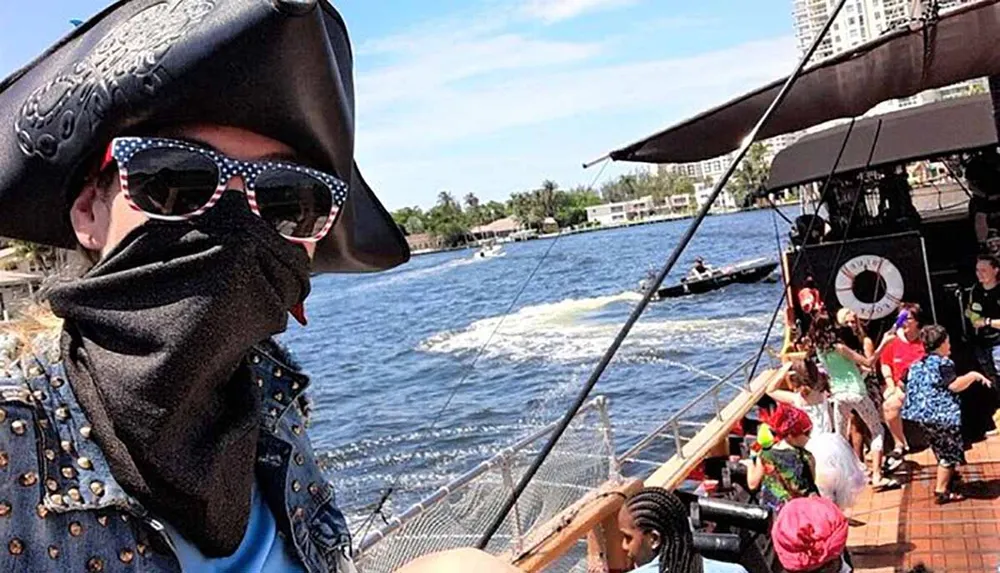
574,330
390,278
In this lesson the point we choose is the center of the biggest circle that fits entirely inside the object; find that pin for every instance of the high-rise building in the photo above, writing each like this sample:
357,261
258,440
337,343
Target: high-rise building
858,22
863,20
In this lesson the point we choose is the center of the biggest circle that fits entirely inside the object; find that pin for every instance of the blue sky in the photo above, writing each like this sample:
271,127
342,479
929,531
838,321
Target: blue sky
491,96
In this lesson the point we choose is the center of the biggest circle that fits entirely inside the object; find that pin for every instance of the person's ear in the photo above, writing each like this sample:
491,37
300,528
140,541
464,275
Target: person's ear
655,540
90,216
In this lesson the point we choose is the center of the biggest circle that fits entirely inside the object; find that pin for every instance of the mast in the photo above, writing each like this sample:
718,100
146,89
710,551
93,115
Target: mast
994,87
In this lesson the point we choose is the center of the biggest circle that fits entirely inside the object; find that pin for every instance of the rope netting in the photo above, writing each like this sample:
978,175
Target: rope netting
581,462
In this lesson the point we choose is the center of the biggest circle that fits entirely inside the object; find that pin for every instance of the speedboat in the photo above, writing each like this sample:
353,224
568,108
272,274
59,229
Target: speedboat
490,251
752,271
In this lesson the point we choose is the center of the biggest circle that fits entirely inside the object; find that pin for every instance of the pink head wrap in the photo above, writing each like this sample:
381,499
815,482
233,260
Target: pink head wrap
809,532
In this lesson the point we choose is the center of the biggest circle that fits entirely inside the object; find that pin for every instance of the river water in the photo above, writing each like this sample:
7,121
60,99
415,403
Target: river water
386,351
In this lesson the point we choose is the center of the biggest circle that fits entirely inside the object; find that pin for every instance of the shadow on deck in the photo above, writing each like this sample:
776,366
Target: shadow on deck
896,530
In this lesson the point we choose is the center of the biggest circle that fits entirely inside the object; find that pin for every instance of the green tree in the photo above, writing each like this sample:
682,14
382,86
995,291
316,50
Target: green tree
546,198
415,224
446,199
495,210
446,221
751,175
473,211
620,189
572,205
523,207
670,183
411,219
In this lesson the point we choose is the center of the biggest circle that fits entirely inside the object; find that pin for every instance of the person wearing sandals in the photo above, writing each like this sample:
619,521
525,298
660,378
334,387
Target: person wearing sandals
852,332
932,403
896,358
848,391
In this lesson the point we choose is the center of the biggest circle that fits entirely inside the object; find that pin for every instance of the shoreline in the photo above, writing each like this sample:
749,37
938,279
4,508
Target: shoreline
592,229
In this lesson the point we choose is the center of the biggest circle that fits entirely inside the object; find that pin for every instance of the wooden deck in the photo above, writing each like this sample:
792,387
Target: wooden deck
896,530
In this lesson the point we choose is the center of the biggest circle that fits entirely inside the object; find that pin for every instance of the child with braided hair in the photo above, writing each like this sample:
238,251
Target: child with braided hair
656,535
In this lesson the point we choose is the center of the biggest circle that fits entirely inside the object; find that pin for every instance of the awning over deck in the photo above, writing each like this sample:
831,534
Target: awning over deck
917,133
959,45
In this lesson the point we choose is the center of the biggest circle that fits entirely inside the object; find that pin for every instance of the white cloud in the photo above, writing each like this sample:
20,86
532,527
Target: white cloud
556,10
456,103
428,68
454,112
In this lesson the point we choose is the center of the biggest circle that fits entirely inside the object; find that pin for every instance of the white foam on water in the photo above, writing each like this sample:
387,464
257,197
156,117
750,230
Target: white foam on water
561,332
392,278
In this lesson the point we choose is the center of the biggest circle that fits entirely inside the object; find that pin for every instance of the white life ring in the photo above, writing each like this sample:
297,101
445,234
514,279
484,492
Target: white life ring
884,268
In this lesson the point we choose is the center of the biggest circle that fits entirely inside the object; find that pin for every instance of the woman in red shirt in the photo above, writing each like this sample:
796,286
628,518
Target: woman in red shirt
896,359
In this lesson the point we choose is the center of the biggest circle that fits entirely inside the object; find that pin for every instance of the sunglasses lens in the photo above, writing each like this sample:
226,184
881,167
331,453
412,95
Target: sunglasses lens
297,204
173,182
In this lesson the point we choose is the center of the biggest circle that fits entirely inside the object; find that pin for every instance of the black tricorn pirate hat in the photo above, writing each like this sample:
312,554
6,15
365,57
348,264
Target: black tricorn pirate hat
282,68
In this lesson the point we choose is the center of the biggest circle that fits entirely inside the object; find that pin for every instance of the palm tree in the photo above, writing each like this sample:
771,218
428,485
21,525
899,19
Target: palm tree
473,210
471,201
447,200
545,199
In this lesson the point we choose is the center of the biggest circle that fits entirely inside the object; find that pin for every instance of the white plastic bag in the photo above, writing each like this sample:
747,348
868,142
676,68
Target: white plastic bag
840,477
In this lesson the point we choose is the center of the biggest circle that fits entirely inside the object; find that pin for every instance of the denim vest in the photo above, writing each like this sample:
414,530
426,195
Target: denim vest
61,509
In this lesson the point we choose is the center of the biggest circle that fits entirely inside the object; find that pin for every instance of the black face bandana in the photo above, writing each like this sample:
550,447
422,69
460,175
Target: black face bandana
156,336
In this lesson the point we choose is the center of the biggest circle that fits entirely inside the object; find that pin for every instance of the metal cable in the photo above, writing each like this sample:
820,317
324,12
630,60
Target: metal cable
377,511
647,297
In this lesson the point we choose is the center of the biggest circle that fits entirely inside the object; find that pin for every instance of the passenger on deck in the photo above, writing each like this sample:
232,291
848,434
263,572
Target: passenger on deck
932,402
458,561
983,176
851,331
807,392
984,314
700,270
840,476
848,391
896,359
656,535
810,535
785,470
809,298
895,199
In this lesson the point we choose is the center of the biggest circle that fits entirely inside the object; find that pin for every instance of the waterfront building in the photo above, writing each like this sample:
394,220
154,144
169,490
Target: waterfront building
499,229
864,20
859,22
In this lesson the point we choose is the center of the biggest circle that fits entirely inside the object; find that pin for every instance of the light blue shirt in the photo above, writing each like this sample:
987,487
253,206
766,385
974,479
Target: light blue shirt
261,550
709,565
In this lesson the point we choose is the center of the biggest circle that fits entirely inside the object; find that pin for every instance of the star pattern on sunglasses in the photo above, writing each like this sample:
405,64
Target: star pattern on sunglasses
123,149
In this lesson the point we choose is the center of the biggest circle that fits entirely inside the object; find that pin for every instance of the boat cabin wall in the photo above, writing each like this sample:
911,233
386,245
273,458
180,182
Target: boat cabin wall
874,263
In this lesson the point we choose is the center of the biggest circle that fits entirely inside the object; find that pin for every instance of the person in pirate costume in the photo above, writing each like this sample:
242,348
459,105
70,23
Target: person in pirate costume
199,154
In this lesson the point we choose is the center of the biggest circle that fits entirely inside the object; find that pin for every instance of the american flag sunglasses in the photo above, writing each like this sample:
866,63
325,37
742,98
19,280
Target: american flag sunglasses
174,180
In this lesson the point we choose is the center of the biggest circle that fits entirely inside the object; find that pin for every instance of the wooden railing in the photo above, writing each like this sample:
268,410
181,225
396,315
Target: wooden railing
595,518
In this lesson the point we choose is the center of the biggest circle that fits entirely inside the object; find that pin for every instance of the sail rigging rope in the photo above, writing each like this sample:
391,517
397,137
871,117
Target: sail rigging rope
803,254
850,219
469,368
647,297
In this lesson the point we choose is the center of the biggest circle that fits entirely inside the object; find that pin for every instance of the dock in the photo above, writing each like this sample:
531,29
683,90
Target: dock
896,530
